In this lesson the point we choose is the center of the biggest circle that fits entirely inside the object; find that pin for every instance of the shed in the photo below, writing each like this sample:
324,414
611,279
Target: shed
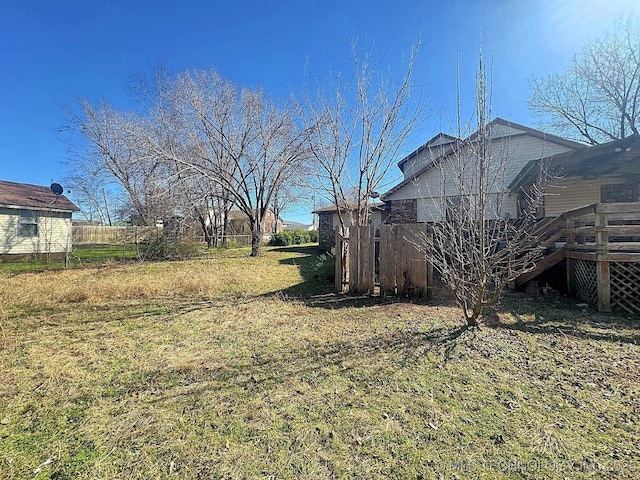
34,220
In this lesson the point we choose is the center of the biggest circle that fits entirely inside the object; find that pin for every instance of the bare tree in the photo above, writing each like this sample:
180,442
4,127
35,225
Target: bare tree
197,198
199,147
111,151
203,201
476,248
241,141
92,193
598,98
356,130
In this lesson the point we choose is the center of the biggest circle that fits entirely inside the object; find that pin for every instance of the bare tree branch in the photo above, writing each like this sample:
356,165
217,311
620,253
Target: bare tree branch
474,245
356,131
598,98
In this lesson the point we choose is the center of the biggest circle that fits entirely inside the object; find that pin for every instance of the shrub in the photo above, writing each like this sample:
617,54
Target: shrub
293,237
153,249
280,239
324,268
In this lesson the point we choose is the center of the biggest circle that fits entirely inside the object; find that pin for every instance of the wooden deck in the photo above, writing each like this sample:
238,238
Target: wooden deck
602,252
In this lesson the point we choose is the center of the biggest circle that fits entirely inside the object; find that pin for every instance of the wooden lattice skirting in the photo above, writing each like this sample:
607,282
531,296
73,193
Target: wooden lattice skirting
625,287
586,281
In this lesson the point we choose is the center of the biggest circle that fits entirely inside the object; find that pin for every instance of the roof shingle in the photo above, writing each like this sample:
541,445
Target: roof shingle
14,194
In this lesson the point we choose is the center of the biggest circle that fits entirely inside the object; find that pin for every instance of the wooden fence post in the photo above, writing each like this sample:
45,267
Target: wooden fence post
603,271
430,267
362,259
368,259
339,257
354,247
387,260
571,262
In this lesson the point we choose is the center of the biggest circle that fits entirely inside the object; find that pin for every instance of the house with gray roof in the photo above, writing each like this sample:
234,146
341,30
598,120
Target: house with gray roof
34,220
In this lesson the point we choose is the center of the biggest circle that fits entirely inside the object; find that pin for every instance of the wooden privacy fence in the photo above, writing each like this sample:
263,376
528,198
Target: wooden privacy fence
102,234
392,261
404,267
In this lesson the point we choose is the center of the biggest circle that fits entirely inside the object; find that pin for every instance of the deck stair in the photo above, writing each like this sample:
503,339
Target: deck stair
601,246
555,257
547,232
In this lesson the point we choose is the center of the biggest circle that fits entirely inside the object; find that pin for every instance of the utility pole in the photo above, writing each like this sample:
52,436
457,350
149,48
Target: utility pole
106,205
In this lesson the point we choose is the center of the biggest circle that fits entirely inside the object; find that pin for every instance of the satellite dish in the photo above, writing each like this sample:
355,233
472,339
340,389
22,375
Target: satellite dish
57,189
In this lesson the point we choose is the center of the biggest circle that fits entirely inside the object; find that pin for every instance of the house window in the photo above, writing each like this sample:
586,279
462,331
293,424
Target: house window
27,223
619,193
456,208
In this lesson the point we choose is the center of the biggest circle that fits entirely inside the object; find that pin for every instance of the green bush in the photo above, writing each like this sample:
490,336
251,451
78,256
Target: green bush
294,237
324,268
280,239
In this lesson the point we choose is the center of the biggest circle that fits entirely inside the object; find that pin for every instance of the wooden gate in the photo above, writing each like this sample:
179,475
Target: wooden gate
404,268
391,261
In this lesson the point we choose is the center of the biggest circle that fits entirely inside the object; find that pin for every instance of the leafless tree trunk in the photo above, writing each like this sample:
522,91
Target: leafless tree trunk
239,140
355,132
474,246
598,98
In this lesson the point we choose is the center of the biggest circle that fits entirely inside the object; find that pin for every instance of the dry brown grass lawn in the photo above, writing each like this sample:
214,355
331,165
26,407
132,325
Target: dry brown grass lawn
218,369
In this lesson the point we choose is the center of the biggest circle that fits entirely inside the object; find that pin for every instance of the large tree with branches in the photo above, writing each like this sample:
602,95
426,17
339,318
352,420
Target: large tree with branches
598,98
201,142
112,150
241,140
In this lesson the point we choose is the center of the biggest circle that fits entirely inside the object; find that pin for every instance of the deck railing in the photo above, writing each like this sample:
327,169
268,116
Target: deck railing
601,245
603,256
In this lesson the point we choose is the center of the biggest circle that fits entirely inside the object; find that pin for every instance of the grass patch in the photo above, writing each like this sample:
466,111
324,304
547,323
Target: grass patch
236,367
82,255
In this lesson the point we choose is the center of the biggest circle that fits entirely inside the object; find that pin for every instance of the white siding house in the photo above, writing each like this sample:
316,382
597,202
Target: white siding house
429,179
33,220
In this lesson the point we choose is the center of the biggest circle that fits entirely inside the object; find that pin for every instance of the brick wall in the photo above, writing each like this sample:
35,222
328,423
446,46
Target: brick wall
402,211
326,235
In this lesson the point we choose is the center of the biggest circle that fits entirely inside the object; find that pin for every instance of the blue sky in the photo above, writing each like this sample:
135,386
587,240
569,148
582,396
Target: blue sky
53,53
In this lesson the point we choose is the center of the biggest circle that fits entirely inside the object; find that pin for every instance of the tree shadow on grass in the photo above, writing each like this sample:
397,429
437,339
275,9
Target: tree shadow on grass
558,316
317,288
268,369
316,271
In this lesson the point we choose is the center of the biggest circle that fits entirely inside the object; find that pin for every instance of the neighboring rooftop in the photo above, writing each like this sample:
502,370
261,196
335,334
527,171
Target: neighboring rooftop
618,157
24,195
286,225
333,208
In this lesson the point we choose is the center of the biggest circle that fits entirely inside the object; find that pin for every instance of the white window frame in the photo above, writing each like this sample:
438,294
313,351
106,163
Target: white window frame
27,223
